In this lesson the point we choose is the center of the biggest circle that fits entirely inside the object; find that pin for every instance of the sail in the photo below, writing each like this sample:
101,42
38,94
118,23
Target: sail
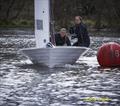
42,22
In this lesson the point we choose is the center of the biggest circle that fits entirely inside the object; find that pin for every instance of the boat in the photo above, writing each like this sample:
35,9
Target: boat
52,57
49,56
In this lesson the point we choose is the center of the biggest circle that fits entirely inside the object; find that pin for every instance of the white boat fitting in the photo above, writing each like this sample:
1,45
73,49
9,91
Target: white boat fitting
49,56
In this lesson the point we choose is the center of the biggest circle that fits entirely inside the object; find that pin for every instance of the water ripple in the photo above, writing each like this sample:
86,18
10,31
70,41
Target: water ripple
25,84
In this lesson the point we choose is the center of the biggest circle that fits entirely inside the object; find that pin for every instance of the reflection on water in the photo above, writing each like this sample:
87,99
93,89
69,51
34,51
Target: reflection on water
25,84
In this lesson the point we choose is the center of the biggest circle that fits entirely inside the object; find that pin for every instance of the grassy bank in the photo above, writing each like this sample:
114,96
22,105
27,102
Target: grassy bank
91,23
104,30
16,24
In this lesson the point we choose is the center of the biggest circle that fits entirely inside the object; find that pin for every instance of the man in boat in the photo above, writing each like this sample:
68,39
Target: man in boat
61,38
80,32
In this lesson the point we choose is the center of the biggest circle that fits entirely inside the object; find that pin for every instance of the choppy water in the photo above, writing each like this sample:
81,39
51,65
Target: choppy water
24,84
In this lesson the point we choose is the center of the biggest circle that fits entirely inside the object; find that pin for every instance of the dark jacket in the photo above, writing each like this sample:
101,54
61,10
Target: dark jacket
82,34
62,41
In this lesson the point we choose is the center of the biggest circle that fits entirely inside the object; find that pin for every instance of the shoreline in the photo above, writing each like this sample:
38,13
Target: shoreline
30,31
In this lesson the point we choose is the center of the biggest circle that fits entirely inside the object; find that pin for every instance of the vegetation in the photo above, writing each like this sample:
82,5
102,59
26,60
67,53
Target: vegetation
17,24
96,13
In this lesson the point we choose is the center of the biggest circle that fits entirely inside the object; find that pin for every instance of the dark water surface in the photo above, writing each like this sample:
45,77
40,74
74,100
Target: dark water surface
25,84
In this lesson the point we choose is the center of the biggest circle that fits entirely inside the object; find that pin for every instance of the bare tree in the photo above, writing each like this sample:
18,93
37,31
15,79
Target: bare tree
20,9
11,3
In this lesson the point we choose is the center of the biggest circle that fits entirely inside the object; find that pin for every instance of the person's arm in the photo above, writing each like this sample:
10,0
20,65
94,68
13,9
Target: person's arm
68,41
86,37
71,31
86,31
56,39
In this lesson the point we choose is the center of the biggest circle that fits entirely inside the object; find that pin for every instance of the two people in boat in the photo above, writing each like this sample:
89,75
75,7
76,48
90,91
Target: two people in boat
78,31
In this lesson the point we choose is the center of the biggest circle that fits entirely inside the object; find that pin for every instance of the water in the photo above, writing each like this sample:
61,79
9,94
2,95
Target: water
25,84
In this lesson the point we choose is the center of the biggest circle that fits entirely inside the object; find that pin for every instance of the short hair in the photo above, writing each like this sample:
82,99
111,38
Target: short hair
79,17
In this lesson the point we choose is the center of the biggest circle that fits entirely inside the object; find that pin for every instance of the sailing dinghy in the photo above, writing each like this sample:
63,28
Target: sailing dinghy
47,56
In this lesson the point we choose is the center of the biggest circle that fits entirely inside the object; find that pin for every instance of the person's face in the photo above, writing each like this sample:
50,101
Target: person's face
63,33
77,20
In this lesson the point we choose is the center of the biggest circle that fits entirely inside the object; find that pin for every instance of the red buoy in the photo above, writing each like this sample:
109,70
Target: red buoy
109,55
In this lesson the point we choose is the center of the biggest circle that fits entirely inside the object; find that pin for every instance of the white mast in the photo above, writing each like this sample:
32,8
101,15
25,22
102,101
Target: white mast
42,23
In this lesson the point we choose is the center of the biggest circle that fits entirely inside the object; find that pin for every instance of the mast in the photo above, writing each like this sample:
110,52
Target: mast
52,22
42,22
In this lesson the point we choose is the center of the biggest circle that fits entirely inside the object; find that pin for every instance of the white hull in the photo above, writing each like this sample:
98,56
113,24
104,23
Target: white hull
54,56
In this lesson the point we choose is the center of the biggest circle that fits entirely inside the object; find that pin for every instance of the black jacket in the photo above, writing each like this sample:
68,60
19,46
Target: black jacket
82,34
62,41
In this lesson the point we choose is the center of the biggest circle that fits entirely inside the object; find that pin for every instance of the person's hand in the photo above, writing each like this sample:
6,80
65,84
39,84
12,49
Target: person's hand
73,36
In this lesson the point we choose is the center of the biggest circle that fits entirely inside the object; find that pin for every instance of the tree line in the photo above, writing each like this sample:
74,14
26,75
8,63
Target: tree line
95,13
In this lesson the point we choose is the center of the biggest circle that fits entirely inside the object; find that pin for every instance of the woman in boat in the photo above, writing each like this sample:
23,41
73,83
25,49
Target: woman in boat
80,32
61,38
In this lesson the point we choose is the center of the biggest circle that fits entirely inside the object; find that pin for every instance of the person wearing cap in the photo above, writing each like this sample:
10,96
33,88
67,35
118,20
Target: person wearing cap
61,38
80,32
